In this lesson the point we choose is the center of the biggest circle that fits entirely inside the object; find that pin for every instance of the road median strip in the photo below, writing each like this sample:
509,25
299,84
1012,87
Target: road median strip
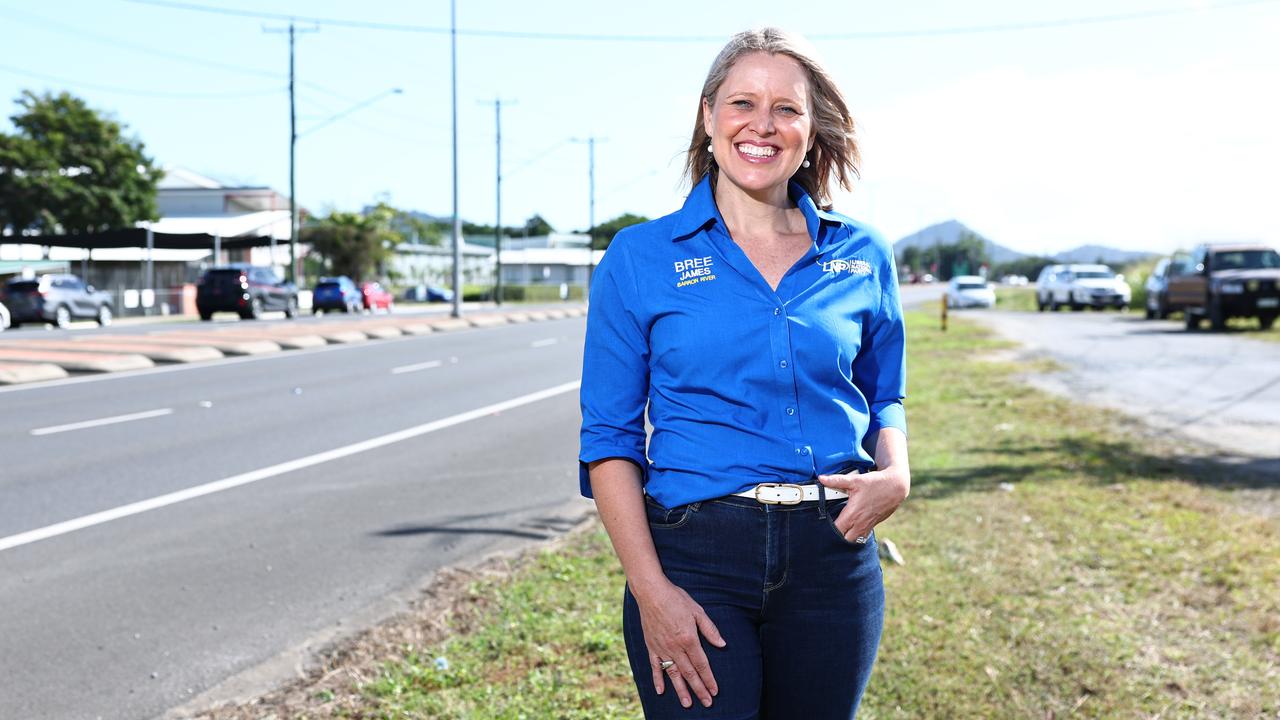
157,353
118,352
77,361
20,372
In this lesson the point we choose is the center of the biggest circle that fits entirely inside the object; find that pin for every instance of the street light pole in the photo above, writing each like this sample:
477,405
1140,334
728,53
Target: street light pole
293,189
457,221
497,233
497,230
293,142
591,205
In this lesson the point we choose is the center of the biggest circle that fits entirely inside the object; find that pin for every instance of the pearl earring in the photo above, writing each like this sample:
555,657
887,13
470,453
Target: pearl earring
805,164
710,148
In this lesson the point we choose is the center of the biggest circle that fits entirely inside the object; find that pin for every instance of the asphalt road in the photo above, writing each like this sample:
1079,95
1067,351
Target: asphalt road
1219,392
317,517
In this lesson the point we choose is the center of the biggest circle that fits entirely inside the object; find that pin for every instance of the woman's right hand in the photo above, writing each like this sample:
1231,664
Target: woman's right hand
672,622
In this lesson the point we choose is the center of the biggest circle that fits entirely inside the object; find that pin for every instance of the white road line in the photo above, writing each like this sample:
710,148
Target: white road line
414,368
98,518
102,421
544,343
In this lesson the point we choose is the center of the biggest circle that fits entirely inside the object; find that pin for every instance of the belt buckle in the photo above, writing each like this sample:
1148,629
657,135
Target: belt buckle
798,488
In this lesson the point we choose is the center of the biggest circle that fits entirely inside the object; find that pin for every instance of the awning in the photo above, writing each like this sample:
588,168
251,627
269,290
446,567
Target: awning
13,267
136,238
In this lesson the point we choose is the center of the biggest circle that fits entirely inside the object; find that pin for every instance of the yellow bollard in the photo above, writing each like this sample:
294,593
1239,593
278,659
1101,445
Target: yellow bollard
944,313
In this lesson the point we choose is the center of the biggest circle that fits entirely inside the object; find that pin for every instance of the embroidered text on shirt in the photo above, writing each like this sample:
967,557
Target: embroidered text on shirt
855,267
694,270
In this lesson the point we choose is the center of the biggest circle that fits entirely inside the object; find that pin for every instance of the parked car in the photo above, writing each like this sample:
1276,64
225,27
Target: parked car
56,299
966,291
4,317
428,293
374,297
1218,282
1081,286
336,293
246,290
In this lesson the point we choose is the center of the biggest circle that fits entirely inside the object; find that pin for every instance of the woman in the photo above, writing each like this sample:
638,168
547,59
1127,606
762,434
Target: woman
764,337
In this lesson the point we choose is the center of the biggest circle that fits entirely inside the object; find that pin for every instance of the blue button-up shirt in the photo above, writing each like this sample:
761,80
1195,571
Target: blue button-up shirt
743,384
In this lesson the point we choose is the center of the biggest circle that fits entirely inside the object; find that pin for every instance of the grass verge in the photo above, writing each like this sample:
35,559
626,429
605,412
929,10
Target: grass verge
1055,566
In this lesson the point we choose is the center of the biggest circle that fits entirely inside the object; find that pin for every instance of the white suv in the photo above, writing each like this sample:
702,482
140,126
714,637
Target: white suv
1081,286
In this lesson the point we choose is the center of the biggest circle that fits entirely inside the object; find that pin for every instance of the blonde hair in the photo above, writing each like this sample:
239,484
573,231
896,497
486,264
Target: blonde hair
835,149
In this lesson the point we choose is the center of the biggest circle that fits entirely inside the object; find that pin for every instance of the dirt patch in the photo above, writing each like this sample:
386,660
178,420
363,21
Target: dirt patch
328,686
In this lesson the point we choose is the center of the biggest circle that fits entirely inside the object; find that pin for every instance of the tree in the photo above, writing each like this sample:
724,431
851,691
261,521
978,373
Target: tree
69,168
536,225
353,244
602,234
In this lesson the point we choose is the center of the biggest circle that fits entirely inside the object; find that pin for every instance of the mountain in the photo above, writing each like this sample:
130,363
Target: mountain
1102,254
948,233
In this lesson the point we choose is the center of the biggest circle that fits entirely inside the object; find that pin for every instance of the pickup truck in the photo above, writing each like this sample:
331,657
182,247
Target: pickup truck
1221,281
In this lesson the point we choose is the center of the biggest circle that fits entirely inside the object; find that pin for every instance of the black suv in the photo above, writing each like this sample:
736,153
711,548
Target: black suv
1218,282
56,299
246,290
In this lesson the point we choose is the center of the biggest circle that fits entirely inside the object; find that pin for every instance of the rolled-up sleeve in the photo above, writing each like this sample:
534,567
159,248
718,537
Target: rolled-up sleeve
880,369
615,368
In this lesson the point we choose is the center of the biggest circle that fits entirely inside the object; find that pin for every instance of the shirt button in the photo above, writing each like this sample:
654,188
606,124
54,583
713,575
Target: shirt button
804,451
791,411
783,364
777,312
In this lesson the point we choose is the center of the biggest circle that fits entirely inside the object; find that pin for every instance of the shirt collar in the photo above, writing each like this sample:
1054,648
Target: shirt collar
700,211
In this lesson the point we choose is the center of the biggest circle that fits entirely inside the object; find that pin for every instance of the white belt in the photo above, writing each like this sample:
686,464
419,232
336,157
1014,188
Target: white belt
788,494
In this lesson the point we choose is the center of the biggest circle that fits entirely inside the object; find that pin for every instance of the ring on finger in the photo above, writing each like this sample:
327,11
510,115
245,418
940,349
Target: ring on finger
665,664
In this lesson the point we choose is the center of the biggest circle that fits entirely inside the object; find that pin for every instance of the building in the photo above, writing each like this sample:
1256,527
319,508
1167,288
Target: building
555,259
160,279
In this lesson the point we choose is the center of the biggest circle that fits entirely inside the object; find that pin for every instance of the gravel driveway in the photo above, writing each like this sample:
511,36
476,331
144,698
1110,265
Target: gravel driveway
1218,391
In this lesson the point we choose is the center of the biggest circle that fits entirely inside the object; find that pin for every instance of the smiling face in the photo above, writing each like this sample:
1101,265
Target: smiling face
759,122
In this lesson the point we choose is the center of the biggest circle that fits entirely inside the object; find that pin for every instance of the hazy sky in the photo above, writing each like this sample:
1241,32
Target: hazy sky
1150,132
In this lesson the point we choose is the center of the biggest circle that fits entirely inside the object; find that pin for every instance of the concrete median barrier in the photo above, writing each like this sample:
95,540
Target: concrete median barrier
289,339
79,361
518,317
415,328
124,344
227,345
449,324
536,315
15,373
484,320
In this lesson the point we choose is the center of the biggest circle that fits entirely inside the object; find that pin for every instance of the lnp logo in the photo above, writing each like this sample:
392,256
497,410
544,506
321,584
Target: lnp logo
855,267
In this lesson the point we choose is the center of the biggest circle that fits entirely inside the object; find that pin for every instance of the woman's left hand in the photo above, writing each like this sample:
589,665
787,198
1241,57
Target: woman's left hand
873,497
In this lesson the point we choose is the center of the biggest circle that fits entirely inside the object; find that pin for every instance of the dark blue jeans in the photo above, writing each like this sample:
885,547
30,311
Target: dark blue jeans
800,608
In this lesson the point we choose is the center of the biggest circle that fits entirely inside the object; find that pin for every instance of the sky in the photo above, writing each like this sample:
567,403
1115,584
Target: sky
1137,124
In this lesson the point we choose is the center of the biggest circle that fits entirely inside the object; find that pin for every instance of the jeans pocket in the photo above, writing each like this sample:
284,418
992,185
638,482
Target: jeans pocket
661,518
833,509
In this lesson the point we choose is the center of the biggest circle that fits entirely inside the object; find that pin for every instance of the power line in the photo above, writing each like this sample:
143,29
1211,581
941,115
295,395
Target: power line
106,40
140,92
606,37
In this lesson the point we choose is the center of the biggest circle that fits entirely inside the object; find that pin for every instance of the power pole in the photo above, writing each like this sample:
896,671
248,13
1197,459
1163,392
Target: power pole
591,181
457,221
497,233
293,145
